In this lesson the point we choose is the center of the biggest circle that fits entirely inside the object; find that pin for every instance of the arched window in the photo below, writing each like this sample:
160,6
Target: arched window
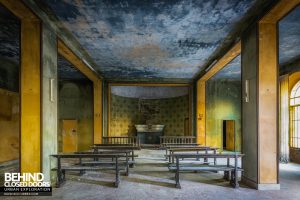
295,116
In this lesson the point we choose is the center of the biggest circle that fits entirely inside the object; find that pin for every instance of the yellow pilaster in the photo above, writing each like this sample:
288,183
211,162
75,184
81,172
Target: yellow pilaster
201,111
267,103
201,84
30,93
97,112
267,91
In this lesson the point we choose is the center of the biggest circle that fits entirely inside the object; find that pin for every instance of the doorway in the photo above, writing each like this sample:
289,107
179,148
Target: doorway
229,135
70,136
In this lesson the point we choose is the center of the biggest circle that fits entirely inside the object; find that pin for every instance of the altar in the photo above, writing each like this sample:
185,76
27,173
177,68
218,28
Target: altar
149,134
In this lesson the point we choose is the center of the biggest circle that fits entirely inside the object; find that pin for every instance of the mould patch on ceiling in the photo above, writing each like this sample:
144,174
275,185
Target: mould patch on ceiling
289,36
9,35
138,39
149,92
66,71
232,71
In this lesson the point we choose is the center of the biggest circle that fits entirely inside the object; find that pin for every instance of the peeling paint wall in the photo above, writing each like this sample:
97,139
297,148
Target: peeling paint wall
249,115
126,112
9,109
223,102
49,103
9,125
76,102
9,74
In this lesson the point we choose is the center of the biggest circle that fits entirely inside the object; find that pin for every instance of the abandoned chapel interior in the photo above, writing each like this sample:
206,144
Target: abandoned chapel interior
152,99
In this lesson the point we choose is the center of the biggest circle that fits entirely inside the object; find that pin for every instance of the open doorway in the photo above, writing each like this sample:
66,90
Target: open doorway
229,135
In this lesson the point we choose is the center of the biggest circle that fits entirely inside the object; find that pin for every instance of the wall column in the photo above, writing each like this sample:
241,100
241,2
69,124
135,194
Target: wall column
201,113
98,121
260,112
30,93
49,103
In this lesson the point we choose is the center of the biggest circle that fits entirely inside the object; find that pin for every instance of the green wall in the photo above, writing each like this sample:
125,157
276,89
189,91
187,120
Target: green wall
126,112
223,102
76,102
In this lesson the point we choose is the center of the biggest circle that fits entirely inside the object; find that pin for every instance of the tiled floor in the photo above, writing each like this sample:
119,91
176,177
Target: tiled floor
150,179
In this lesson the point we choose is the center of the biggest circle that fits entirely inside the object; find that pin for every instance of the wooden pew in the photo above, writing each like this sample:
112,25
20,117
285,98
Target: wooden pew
115,156
98,147
196,150
233,169
97,162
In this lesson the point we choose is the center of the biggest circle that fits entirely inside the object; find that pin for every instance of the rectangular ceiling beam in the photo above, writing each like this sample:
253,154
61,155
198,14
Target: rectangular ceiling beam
281,9
78,63
19,9
201,91
227,58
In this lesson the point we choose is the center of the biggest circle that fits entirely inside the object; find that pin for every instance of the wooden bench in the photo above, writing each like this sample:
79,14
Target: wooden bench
196,150
232,169
110,151
78,167
177,140
173,146
96,148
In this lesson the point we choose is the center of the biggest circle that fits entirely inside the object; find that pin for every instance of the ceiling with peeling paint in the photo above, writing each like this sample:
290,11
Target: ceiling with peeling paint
150,40
144,40
9,35
149,92
66,70
289,36
232,71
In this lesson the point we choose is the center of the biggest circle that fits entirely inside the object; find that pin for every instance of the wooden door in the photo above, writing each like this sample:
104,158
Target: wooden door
230,134
69,135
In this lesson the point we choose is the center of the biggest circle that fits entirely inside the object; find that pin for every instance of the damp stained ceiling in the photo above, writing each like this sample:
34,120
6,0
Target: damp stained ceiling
232,71
289,36
144,40
66,70
149,40
9,35
289,47
149,92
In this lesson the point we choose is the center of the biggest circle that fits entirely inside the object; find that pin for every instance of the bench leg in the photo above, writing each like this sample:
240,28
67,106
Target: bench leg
117,173
132,158
226,175
61,174
236,182
172,157
177,184
81,172
235,172
166,154
127,166
234,179
59,178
